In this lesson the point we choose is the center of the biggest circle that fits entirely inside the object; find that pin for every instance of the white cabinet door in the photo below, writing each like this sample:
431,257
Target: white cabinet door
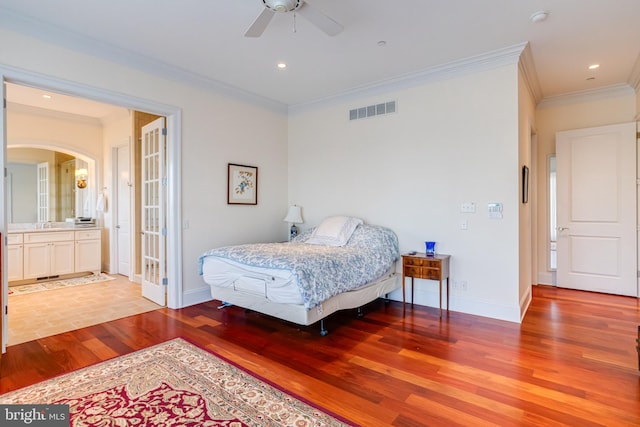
48,259
88,256
14,263
61,261
36,260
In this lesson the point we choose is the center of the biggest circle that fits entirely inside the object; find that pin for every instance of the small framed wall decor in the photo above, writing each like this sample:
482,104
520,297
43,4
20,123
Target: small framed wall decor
242,183
525,184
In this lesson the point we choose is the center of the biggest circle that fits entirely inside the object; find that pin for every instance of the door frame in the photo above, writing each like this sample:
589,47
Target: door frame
173,115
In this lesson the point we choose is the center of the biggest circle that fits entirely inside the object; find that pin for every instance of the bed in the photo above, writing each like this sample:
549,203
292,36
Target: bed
340,264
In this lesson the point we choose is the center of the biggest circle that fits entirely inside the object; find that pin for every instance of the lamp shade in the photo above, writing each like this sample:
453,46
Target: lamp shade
294,215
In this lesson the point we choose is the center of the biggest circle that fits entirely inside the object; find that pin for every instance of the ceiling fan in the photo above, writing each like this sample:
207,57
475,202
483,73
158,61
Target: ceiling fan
310,13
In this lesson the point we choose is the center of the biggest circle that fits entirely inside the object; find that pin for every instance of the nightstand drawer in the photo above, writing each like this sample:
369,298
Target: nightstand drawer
422,272
423,262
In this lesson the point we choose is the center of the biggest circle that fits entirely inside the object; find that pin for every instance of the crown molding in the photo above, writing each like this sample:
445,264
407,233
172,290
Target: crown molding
90,46
57,35
612,91
13,107
473,64
634,77
528,70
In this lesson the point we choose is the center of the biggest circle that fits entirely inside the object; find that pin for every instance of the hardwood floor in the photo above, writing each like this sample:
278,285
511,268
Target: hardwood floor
572,361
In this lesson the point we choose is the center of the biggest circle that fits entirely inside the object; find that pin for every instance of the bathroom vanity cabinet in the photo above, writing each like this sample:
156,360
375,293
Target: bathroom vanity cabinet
88,251
48,254
41,254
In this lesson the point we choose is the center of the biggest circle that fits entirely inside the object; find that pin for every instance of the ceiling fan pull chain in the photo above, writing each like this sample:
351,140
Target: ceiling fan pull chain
294,21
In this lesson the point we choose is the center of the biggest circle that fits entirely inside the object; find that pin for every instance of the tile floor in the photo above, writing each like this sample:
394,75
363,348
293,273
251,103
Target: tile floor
51,312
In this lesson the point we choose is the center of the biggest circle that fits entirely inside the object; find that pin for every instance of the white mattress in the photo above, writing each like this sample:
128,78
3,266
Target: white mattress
276,285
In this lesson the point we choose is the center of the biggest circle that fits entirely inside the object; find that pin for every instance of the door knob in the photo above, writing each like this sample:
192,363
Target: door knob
562,228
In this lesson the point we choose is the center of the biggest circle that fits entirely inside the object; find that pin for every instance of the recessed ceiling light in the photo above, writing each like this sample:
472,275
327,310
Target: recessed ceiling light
539,16
591,78
46,96
382,43
282,65
594,66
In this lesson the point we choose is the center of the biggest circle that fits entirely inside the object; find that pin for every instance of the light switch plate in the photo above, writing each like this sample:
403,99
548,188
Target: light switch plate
468,207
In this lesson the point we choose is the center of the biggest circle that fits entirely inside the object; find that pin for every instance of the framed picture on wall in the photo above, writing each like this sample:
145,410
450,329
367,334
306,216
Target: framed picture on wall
525,184
242,183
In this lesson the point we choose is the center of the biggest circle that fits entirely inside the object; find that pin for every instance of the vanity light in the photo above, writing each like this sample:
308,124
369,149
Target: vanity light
81,177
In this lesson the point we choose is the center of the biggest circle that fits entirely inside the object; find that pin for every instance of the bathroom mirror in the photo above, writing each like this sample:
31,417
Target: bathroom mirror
46,185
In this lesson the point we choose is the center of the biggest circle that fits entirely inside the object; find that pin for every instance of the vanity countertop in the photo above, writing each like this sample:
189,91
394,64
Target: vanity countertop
47,230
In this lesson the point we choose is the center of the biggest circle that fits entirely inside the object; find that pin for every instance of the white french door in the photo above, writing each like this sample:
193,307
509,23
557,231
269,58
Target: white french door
153,206
596,209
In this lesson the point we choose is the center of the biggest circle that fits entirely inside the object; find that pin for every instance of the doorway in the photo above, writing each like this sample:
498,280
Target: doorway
173,283
596,209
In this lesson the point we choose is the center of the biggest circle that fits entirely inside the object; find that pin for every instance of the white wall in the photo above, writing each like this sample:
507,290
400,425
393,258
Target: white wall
215,128
567,114
450,142
527,241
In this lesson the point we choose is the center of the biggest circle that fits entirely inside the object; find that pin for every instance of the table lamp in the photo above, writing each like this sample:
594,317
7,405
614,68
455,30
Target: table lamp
294,215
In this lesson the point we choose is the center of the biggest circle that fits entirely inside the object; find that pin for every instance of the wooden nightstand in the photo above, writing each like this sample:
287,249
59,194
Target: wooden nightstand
421,266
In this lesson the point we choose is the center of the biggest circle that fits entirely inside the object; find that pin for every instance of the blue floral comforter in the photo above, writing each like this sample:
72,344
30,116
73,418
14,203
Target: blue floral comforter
321,271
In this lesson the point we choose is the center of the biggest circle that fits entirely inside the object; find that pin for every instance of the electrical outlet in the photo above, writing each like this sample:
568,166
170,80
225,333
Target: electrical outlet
460,285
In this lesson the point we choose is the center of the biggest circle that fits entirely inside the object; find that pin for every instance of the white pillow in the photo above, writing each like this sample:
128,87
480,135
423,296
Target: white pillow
334,231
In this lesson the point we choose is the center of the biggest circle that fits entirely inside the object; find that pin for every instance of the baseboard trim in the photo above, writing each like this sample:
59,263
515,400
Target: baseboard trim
196,296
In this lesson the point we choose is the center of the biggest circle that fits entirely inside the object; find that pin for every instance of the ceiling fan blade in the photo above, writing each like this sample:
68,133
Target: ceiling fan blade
319,19
260,24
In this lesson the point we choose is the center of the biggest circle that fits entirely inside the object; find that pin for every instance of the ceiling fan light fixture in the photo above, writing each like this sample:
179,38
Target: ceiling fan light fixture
282,6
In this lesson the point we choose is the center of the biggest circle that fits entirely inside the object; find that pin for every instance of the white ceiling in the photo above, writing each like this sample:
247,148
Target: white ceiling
204,40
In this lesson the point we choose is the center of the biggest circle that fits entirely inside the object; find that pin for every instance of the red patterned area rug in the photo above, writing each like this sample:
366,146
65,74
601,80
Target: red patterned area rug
174,383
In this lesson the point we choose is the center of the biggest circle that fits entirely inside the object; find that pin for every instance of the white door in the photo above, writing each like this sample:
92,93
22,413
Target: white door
123,213
153,212
596,209
4,328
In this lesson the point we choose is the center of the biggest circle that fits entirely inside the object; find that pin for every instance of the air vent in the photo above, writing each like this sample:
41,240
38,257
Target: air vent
372,110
